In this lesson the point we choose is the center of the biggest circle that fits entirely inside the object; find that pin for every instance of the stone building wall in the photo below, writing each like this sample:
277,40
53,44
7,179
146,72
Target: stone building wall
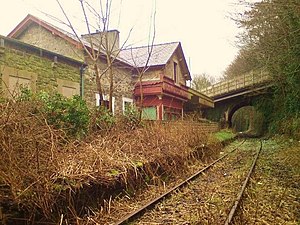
42,38
123,88
38,36
37,67
152,75
123,84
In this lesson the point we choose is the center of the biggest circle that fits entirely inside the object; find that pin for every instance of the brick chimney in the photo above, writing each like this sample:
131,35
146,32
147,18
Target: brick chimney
111,36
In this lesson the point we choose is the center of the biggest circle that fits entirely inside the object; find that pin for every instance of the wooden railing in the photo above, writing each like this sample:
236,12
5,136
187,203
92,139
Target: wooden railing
238,83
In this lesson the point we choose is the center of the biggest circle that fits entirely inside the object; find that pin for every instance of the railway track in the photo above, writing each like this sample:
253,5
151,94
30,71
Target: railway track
210,196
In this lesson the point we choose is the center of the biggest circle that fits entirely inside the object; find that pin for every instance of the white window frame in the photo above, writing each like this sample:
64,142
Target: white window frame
125,99
105,98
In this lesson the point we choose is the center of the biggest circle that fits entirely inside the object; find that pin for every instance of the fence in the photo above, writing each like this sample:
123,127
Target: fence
241,82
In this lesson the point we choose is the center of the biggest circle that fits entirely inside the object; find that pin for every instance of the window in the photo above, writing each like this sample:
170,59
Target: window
106,101
127,104
67,88
175,71
13,80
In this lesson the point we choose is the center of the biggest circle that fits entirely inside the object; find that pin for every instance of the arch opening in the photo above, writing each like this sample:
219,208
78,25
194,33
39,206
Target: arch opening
247,119
233,109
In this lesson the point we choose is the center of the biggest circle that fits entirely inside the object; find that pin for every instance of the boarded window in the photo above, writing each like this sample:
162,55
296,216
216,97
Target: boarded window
149,113
68,88
14,79
17,83
69,91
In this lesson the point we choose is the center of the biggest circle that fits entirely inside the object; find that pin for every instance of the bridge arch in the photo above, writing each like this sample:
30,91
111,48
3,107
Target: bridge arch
231,95
233,108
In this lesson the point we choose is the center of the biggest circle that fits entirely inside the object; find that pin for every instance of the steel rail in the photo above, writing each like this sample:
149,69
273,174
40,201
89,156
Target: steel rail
128,218
239,196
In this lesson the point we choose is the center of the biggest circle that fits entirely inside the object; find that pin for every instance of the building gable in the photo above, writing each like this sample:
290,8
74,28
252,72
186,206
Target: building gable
176,67
29,19
41,36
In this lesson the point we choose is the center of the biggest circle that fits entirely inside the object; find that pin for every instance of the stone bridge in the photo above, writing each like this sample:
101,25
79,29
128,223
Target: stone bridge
231,95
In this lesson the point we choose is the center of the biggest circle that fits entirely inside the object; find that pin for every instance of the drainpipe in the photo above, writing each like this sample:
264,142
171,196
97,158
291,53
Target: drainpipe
82,69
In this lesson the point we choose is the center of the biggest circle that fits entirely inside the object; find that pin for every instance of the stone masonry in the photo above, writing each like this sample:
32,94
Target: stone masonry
37,65
123,85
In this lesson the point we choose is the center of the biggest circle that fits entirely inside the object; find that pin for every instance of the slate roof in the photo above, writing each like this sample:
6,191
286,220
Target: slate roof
134,57
138,56
70,35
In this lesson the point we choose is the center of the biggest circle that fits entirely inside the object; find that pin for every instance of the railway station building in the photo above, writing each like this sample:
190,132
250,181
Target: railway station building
154,77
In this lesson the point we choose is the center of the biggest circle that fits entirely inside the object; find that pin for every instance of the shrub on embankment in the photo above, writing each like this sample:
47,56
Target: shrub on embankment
45,172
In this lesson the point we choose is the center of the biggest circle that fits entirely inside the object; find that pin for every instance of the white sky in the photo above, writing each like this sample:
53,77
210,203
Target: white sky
206,33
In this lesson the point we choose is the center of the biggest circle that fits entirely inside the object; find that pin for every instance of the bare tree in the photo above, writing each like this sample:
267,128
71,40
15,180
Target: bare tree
142,69
98,47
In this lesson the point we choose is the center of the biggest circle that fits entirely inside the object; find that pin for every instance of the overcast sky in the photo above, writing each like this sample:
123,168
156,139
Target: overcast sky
204,28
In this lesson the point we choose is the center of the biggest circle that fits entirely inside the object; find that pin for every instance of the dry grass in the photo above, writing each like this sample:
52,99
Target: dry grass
29,148
44,176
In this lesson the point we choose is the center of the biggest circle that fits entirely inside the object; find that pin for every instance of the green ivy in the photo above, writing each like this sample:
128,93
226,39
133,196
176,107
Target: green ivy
102,119
131,117
69,114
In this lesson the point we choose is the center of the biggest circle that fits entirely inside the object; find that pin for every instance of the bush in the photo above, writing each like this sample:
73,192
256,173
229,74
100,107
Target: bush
69,114
131,118
101,119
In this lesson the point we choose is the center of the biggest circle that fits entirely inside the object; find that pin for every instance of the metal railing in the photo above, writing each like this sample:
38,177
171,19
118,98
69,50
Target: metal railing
238,83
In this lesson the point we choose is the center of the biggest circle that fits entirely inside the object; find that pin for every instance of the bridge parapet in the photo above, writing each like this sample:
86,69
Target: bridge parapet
238,83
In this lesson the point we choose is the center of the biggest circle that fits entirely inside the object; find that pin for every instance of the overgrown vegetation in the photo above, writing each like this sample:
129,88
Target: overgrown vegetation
61,160
272,41
201,81
224,135
272,196
68,114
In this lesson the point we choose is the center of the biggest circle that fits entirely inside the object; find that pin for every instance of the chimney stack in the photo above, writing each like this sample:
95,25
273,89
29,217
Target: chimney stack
100,38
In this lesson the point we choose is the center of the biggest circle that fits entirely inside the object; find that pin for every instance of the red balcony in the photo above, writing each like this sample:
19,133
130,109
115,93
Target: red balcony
162,87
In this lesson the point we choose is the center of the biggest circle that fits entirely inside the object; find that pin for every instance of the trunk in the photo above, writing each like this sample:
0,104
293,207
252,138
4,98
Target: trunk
141,97
109,50
111,84
98,83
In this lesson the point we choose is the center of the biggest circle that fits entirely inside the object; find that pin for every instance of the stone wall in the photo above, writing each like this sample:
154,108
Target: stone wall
123,84
19,60
205,126
38,36
152,75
